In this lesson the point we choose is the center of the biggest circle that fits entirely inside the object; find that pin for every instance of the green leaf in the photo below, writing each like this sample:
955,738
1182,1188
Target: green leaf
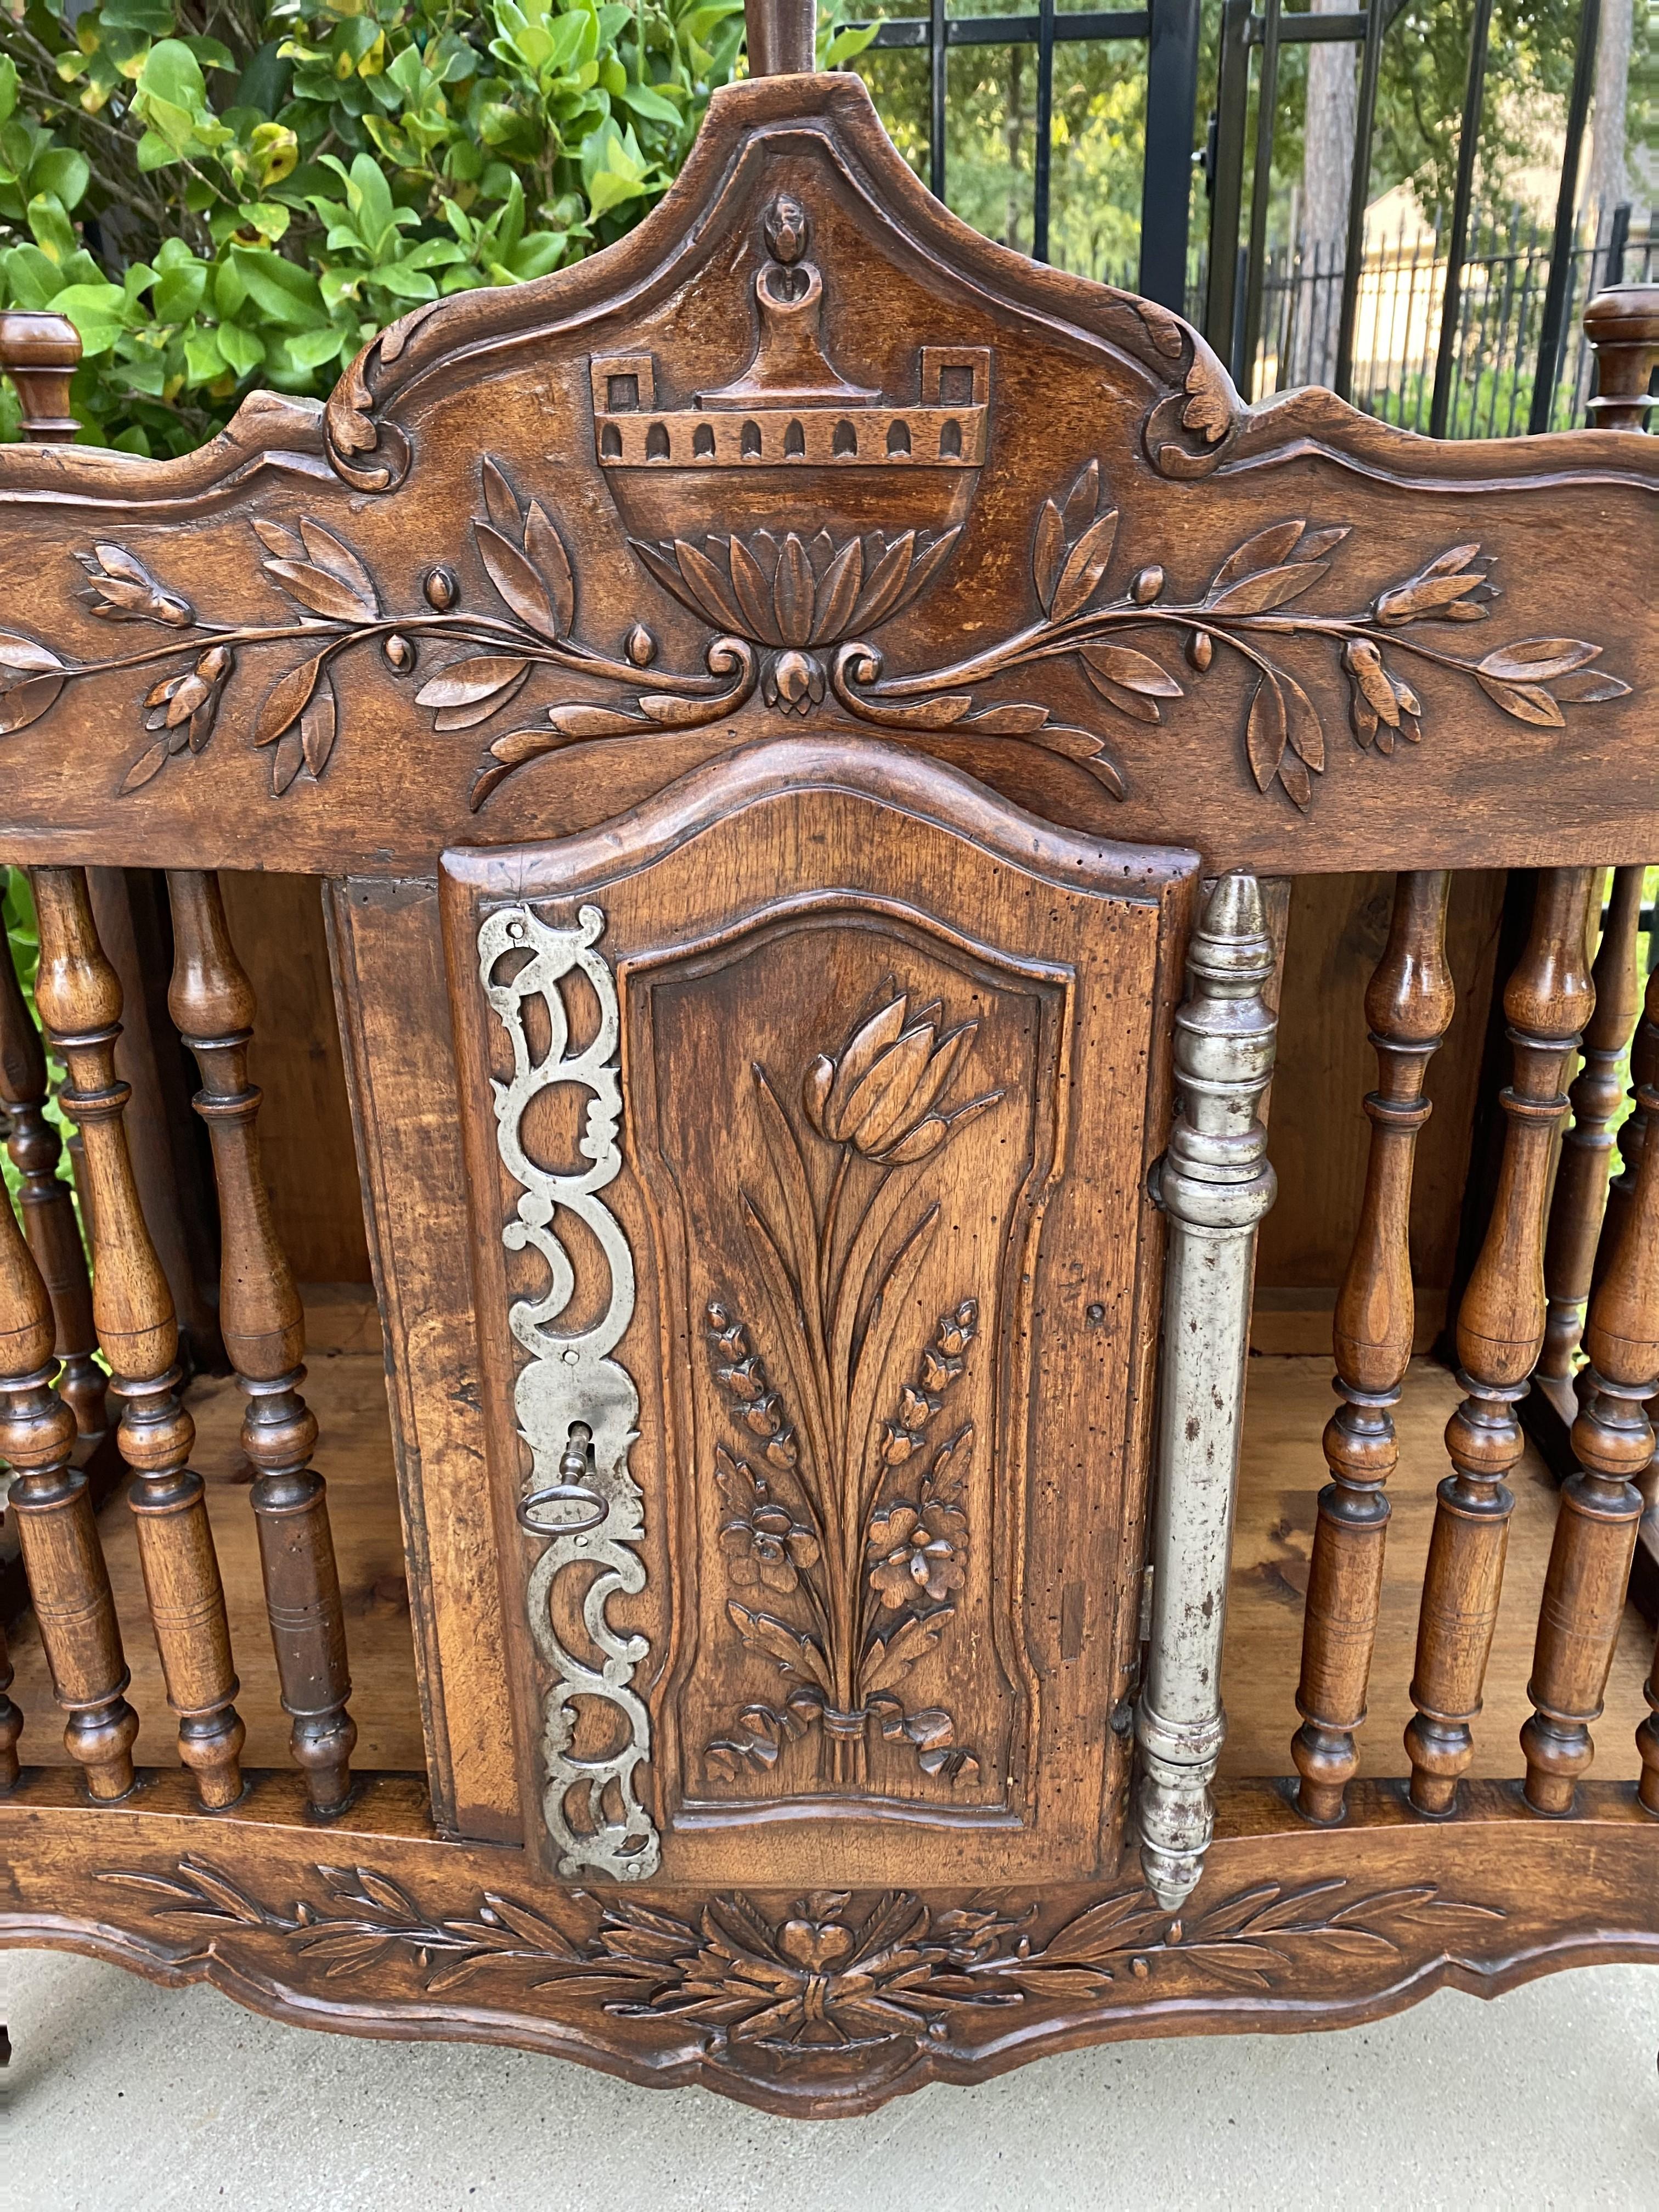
54,234
242,350
288,294
180,291
97,311
63,172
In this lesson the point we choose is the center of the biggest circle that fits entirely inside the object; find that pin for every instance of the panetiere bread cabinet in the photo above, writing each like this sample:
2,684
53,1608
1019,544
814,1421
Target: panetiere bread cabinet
805,722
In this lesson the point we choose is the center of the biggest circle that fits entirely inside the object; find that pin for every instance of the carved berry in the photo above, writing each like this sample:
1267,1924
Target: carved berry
441,588
1200,650
1147,583
398,652
640,646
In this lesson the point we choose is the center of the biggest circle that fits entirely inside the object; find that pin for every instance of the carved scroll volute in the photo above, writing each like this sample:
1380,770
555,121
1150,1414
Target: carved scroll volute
1500,1334
79,996
1601,1506
1409,1005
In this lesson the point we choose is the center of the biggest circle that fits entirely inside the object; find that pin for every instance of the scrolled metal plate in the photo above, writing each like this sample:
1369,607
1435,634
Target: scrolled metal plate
573,1386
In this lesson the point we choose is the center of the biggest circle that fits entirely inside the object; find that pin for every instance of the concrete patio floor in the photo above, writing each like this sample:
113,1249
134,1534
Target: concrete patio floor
121,2095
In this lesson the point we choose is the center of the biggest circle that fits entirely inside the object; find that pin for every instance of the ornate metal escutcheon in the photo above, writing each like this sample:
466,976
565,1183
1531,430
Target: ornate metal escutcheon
577,1407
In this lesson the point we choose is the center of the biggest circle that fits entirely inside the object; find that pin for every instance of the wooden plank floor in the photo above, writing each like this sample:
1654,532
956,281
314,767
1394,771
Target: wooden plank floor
1283,1473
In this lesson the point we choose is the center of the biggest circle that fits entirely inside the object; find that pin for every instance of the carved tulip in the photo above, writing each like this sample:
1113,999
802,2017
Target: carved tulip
882,1096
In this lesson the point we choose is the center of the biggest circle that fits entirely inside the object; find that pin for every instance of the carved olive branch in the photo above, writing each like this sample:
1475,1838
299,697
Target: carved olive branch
793,618
902,1970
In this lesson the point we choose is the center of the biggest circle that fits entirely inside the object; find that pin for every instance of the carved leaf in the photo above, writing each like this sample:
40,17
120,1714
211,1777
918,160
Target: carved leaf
1265,732
1135,672
517,581
1535,660
545,548
1209,408
1267,548
1018,720
286,700
793,592
1133,704
1081,501
1307,736
318,725
148,764
1585,689
923,568
795,1655
838,591
1270,588
1527,702
887,1660
580,719
885,582
286,544
287,761
25,703
1085,564
23,657
1047,554
754,594
709,588
500,503
471,691
319,591
338,559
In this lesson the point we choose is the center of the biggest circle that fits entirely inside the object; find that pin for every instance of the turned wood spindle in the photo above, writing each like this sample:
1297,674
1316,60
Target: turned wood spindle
1408,1005
63,1558
1587,1149
48,1207
11,1721
1500,1333
40,353
80,1001
212,1005
782,36
1601,1506
1622,324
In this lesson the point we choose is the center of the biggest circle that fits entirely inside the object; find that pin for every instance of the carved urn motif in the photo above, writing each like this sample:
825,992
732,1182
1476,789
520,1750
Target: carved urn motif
791,435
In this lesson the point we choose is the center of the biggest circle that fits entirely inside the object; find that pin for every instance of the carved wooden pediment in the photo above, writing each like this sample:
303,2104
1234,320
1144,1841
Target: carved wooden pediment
804,453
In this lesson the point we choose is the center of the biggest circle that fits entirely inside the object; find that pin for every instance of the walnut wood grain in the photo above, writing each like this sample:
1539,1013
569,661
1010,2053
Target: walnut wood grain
80,1001
1300,595
1601,1505
408,1936
1409,1007
68,1580
1500,1333
48,1208
1580,1196
1623,324
263,1323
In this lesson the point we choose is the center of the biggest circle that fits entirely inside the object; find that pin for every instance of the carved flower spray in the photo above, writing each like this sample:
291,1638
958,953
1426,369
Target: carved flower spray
851,1540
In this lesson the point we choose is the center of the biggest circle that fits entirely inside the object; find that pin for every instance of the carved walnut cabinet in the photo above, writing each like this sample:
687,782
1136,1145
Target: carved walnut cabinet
802,720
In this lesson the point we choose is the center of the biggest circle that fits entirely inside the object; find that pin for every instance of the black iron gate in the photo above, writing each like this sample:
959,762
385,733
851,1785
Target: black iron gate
1238,275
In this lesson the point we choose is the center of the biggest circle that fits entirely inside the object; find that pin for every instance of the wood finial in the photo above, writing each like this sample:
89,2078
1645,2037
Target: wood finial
1622,324
782,36
40,354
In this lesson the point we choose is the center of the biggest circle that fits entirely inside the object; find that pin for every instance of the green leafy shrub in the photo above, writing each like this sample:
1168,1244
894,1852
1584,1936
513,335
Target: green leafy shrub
224,193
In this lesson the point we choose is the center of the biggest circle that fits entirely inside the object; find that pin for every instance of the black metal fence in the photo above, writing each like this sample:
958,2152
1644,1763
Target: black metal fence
1495,335
1472,330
